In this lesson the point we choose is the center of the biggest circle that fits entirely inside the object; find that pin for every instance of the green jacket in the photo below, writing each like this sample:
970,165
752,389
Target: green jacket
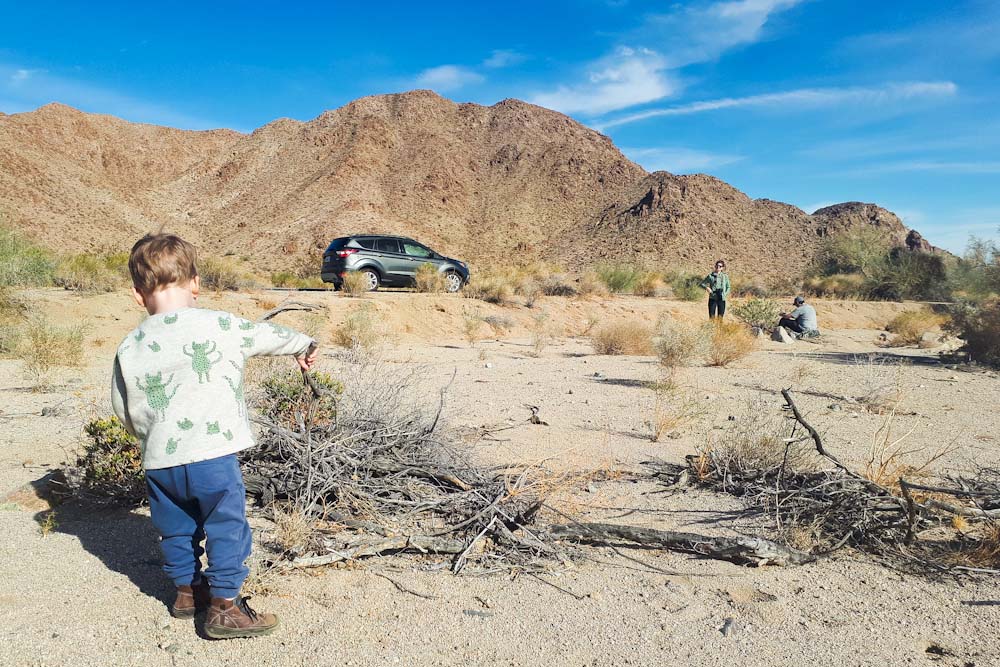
716,282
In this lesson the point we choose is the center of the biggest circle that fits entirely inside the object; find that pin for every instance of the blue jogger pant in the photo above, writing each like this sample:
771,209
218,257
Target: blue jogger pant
203,500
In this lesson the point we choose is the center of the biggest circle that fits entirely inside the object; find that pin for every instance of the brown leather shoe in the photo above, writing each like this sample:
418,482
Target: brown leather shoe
191,600
234,618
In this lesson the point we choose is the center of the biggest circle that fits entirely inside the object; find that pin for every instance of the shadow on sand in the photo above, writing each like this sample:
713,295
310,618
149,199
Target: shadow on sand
124,541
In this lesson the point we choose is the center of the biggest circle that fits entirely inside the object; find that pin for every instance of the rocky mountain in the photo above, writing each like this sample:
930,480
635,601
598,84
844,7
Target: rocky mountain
512,182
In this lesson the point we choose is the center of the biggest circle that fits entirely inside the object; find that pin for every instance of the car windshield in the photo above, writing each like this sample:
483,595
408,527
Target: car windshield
415,249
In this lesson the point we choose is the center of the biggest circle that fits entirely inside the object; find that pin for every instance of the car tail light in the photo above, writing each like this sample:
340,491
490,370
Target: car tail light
347,252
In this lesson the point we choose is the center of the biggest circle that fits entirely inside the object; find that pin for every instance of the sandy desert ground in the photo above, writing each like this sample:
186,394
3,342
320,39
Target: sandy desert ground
91,592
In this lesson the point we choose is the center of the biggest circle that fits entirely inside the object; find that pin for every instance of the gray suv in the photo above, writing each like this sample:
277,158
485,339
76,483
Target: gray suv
388,260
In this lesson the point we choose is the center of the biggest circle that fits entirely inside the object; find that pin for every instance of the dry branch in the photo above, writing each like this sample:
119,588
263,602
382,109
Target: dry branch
741,550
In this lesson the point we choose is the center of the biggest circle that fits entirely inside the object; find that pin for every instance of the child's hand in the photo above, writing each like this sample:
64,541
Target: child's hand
307,360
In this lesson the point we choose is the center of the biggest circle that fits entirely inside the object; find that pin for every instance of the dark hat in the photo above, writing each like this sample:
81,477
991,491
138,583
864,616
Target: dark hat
798,301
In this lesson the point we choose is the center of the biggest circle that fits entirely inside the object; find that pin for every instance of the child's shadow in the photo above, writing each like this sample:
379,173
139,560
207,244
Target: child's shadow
124,541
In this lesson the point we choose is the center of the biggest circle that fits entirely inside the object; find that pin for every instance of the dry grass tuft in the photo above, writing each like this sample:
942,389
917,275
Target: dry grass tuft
294,531
500,324
673,409
361,333
542,333
46,346
590,284
889,460
910,326
729,342
492,289
428,279
678,343
628,337
92,273
224,274
648,284
353,283
472,325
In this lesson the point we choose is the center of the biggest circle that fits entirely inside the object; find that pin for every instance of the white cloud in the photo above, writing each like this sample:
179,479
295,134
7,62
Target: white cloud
702,33
23,89
448,77
638,75
504,58
622,80
20,75
803,98
679,160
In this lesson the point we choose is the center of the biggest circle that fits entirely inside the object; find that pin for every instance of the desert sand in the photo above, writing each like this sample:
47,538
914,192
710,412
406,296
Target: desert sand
90,592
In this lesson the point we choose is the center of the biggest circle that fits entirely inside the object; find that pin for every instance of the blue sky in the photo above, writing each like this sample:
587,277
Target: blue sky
805,101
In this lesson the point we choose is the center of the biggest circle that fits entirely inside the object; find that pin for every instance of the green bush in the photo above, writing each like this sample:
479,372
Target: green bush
285,397
687,287
22,263
111,465
862,250
762,313
284,279
620,278
979,326
46,346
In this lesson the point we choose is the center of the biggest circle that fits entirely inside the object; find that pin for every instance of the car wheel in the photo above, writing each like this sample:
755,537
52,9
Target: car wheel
452,281
371,279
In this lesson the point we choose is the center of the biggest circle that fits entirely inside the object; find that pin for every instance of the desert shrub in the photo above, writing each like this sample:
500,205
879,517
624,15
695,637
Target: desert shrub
758,312
625,337
46,346
500,324
542,333
472,324
674,408
976,275
862,250
223,274
590,284
284,396
111,463
839,285
687,287
92,273
620,278
908,275
491,289
910,326
22,263
979,326
558,284
284,279
354,283
648,284
428,279
678,343
360,333
531,291
729,342
10,338
750,289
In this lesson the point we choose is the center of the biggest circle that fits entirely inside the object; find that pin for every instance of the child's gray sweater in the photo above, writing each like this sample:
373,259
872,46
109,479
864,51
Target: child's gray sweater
178,382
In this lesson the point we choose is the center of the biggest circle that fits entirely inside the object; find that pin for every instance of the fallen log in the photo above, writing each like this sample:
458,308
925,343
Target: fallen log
740,550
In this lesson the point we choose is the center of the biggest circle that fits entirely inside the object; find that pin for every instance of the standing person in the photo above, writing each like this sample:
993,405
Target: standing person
717,285
178,387
802,321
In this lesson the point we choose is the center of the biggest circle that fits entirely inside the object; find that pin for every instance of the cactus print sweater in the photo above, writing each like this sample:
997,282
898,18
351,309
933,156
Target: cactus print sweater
178,382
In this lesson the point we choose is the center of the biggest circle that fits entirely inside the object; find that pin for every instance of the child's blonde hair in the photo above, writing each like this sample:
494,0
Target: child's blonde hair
159,260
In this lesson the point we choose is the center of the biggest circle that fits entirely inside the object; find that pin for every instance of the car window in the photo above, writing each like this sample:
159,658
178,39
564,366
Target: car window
387,245
367,244
415,250
337,244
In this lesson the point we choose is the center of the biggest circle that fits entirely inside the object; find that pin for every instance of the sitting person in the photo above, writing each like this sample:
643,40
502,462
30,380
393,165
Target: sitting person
802,320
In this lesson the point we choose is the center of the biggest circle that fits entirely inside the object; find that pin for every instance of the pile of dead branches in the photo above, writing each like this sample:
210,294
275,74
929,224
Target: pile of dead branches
812,501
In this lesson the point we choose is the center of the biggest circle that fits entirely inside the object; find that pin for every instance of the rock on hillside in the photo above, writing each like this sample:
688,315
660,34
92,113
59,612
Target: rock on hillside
509,182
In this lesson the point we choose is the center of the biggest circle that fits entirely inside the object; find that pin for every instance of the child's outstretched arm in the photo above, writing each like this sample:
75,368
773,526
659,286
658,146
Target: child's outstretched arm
270,339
